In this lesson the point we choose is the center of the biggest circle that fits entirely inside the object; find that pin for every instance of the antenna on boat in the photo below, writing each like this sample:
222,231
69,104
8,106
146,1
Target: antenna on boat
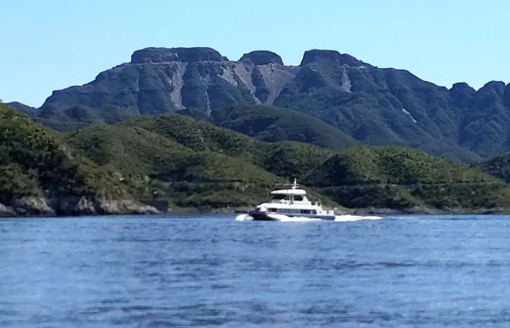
294,185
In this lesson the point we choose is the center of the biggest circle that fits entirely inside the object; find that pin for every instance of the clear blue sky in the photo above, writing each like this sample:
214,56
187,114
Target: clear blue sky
52,44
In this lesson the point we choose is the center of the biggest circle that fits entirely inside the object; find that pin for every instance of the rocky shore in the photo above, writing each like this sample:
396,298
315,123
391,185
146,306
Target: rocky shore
73,206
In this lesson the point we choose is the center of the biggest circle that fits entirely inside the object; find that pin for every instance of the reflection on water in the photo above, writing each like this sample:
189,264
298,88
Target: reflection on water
213,271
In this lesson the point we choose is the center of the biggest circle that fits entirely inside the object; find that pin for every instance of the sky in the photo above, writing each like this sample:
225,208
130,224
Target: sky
47,45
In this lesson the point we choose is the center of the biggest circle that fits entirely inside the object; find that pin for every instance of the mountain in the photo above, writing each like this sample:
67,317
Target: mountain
485,126
159,80
273,124
376,106
41,175
405,178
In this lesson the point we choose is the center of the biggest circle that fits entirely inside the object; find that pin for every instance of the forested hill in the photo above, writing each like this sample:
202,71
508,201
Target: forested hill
41,175
172,162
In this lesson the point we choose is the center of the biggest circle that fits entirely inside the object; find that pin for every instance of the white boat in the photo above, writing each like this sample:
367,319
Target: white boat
290,203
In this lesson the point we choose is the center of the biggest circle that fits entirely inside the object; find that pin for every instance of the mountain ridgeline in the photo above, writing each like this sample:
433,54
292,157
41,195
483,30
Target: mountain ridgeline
374,106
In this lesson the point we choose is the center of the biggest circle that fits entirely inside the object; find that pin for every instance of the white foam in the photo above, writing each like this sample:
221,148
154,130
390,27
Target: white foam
353,218
244,217
285,218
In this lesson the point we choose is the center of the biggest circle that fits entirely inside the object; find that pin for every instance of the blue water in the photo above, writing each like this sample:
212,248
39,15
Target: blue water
212,271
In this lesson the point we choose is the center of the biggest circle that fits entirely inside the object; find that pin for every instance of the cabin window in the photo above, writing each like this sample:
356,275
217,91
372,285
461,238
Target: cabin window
298,198
305,211
278,197
314,212
271,209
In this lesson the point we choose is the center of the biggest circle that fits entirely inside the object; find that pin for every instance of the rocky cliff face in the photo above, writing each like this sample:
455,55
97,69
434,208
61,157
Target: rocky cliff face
374,105
159,80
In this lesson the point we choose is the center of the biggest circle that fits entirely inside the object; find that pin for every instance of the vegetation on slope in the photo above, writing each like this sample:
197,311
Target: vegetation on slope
178,161
163,172
403,178
79,116
27,110
498,166
40,174
273,124
171,160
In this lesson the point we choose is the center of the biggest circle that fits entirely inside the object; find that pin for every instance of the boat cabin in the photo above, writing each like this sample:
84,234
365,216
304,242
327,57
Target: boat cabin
289,196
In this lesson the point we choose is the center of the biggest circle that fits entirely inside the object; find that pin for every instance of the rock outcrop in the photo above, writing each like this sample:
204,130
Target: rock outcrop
6,211
184,55
35,207
262,57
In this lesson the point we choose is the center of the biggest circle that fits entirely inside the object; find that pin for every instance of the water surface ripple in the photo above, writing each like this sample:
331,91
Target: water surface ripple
212,271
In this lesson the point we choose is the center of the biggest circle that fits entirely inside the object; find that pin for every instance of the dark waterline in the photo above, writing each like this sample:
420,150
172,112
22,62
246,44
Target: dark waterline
212,271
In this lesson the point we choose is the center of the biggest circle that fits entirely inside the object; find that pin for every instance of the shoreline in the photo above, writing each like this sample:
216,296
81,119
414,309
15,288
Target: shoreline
8,213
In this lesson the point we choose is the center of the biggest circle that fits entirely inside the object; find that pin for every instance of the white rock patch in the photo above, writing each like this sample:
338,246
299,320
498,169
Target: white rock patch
410,115
177,82
346,82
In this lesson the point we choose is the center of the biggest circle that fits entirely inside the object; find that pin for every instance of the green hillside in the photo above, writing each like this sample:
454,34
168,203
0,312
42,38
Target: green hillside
175,161
273,124
39,174
161,171
79,116
403,178
498,167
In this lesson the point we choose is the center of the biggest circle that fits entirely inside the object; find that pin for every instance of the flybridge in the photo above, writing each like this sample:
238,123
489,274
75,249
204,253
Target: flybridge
293,191
289,191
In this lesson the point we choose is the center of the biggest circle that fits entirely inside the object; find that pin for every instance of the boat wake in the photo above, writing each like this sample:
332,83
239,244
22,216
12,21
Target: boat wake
353,218
244,217
285,218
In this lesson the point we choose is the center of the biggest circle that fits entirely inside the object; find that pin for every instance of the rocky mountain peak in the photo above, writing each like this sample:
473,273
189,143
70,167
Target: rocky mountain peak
262,57
495,86
506,97
462,87
159,55
462,95
315,55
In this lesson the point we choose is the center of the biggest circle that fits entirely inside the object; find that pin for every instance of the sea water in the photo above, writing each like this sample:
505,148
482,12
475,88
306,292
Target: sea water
214,271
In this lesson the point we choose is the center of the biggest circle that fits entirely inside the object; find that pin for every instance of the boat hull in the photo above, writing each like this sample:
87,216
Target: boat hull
266,216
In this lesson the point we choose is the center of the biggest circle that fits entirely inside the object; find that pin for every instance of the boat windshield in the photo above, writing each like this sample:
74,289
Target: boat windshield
280,197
